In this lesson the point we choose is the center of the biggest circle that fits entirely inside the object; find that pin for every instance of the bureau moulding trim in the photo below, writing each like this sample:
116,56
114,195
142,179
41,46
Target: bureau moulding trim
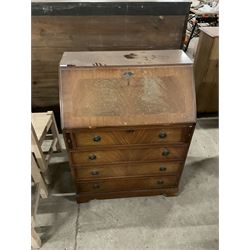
104,165
172,125
81,180
130,146
127,162
130,178
125,146
93,194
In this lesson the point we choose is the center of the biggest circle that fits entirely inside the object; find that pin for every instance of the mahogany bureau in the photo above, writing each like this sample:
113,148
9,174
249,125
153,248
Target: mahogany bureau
127,118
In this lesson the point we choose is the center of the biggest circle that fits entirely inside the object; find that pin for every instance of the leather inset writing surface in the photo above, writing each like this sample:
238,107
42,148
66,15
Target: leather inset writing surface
117,97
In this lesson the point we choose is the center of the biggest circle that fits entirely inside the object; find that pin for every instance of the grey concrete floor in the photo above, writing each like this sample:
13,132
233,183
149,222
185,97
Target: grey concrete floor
188,221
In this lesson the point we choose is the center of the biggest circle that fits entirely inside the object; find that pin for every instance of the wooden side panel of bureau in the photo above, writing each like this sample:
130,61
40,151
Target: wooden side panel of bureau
127,125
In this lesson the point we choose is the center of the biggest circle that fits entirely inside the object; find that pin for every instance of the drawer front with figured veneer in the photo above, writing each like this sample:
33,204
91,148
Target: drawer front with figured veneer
133,136
129,155
127,184
124,170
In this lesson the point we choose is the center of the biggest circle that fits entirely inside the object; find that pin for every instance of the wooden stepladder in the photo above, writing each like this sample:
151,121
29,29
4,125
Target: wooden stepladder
40,190
43,129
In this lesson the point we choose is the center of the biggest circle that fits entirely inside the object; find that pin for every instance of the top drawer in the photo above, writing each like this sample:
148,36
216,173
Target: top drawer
135,136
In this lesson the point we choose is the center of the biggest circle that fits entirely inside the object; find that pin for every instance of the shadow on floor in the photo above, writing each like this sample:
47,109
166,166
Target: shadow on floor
61,209
193,168
208,123
61,179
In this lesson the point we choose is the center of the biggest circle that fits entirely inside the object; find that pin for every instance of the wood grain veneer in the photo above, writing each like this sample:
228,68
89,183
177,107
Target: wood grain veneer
84,172
126,184
152,153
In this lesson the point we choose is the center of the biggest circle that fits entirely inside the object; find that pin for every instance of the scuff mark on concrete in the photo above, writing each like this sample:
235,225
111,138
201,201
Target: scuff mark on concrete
77,226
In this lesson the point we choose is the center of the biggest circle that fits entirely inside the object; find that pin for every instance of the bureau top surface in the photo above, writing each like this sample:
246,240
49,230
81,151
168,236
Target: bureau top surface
126,94
124,58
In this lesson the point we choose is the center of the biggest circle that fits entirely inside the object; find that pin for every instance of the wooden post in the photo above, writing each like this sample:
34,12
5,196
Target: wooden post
55,133
37,177
36,149
35,239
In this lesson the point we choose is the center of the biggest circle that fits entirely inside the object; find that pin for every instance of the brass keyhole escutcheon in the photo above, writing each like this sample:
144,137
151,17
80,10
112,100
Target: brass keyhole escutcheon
128,74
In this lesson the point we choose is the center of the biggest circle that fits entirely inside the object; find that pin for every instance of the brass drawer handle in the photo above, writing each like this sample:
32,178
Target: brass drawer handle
160,182
162,168
96,186
165,152
94,172
68,139
130,130
162,135
97,138
92,157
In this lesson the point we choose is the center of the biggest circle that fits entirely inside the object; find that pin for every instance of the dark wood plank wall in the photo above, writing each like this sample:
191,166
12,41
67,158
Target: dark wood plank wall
55,30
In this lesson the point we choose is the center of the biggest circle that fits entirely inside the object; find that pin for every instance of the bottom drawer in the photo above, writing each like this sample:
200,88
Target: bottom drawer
118,184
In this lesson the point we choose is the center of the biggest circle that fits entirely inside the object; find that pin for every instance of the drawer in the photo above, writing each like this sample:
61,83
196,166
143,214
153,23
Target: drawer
129,136
128,154
123,170
127,184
